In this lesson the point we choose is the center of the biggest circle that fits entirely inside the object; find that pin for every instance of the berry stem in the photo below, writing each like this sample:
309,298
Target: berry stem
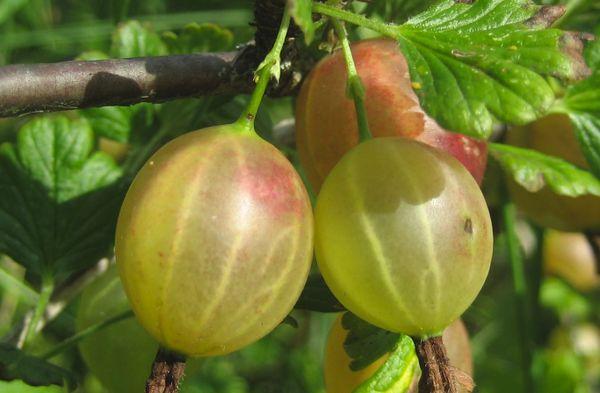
522,299
355,87
43,300
269,67
167,371
437,376
387,29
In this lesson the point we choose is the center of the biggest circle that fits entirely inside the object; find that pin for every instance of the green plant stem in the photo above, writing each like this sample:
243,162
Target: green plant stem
85,333
42,303
354,84
521,295
386,29
264,73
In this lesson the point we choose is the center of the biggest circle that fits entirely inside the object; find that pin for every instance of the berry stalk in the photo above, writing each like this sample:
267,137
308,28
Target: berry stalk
167,371
437,376
354,85
269,67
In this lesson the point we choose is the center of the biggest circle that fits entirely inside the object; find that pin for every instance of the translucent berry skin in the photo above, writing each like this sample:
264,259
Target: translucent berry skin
326,125
554,135
214,241
403,235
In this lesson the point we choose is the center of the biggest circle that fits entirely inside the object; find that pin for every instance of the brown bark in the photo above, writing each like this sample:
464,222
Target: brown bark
167,371
27,88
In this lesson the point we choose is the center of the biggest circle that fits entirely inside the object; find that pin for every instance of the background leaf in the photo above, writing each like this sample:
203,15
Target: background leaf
397,10
534,170
18,365
21,387
475,64
59,201
582,103
131,39
316,296
195,38
366,343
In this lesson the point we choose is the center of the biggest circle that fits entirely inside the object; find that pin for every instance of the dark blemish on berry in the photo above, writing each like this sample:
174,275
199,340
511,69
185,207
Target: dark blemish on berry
468,226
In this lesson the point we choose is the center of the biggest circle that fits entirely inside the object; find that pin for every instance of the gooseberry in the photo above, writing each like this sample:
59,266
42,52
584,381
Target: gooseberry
118,355
403,235
570,256
214,241
554,135
339,378
326,125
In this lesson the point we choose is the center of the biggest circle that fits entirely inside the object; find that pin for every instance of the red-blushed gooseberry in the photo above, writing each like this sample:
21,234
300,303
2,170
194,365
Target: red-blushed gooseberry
403,235
214,241
326,125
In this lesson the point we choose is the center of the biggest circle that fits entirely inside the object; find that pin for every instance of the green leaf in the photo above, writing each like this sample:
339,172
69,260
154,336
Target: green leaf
113,122
301,12
59,200
131,39
22,387
474,64
396,375
316,296
16,364
534,170
8,8
206,37
582,103
366,343
397,10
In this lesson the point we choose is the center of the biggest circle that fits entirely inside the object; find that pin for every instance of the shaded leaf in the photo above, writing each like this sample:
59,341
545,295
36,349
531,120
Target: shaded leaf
16,364
582,103
316,296
534,170
474,64
366,343
59,200
397,10
21,387
206,37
